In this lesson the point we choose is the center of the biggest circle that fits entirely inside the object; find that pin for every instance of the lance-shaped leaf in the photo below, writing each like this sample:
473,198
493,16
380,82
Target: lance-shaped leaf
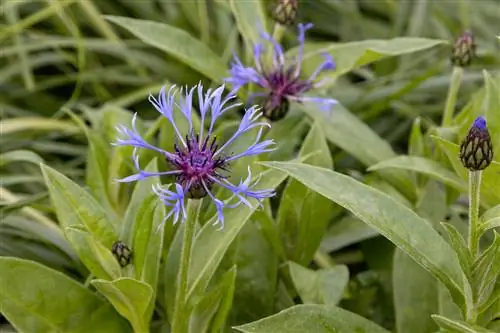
411,233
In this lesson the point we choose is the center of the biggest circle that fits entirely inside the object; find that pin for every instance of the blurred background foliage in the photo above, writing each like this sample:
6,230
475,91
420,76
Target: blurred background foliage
62,58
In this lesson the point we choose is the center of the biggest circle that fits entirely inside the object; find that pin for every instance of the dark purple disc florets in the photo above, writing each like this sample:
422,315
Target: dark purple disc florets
281,84
198,164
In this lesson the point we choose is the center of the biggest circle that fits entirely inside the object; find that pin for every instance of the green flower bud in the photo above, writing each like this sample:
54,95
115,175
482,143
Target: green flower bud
122,253
464,50
285,12
476,150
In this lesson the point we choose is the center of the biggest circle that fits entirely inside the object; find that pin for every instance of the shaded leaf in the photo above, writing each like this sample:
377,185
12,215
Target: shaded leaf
248,15
348,132
399,224
20,156
97,258
35,298
314,319
76,207
424,166
177,43
352,55
345,232
324,286
415,295
130,298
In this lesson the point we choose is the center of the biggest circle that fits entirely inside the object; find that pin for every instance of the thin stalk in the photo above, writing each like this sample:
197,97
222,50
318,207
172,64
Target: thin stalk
451,99
204,21
474,192
179,320
278,32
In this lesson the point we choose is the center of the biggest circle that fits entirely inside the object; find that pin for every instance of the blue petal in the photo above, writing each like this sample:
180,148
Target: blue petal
480,123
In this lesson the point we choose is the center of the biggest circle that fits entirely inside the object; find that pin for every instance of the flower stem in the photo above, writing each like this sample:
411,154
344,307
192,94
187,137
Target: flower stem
451,99
474,192
179,319
278,32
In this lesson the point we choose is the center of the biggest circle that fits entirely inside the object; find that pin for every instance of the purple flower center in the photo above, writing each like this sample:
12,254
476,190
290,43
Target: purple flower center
283,82
198,165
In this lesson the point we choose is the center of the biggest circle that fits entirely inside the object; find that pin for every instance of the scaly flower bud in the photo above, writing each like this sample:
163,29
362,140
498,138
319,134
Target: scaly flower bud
463,50
122,253
476,150
285,12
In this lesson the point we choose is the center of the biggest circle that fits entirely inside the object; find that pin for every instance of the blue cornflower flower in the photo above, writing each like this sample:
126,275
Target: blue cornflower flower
198,162
281,83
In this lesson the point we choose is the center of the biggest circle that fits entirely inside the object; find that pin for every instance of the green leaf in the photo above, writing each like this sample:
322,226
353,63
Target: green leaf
257,276
345,232
486,271
130,298
424,166
248,15
349,133
303,215
455,326
20,156
416,145
148,243
491,106
431,203
324,286
490,219
97,170
129,226
97,258
458,244
214,306
415,295
313,319
491,175
211,243
177,43
76,207
399,224
352,55
35,298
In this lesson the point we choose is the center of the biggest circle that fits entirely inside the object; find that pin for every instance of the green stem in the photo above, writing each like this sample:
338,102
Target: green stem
179,320
278,32
451,99
474,192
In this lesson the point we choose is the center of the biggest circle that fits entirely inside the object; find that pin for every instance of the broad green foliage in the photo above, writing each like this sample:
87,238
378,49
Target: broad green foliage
376,226
130,298
399,224
176,42
304,215
37,299
319,287
356,54
312,318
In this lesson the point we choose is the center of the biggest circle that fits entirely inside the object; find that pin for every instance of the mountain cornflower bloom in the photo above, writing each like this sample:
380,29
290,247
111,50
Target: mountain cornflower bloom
282,82
198,161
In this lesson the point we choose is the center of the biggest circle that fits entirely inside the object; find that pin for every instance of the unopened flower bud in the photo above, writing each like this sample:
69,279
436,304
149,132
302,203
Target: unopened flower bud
463,50
122,253
476,150
285,12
